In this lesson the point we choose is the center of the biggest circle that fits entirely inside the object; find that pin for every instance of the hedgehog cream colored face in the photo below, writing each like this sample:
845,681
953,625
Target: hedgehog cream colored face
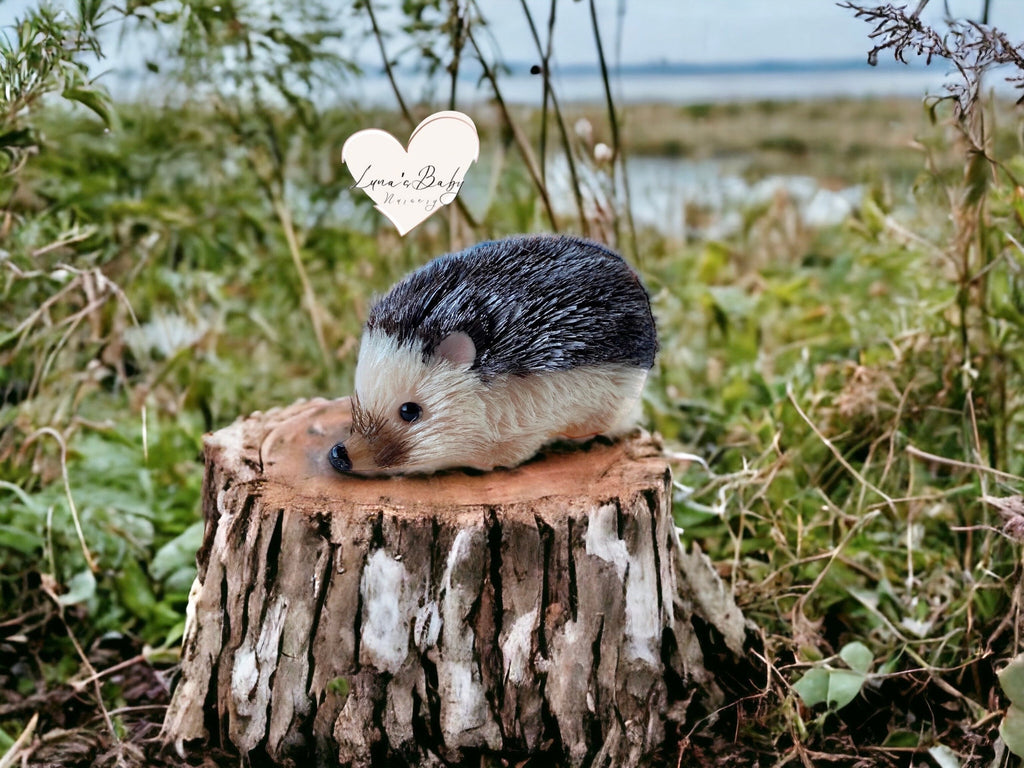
404,409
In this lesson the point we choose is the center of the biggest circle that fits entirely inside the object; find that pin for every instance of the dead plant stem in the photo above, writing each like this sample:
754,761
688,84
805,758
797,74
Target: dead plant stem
387,64
312,305
389,71
10,757
521,143
618,158
918,453
89,560
549,92
837,453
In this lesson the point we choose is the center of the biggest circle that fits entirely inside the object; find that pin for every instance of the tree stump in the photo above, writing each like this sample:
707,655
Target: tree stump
432,620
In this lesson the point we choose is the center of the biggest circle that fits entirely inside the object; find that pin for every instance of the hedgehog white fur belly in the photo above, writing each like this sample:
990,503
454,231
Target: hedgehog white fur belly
481,357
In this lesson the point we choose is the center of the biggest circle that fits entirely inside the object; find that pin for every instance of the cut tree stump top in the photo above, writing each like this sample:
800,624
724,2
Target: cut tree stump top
287,451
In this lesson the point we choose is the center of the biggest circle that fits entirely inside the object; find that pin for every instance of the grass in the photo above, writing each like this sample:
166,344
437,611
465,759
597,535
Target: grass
843,140
855,392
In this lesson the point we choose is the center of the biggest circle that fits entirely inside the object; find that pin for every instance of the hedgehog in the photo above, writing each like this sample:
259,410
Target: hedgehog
482,357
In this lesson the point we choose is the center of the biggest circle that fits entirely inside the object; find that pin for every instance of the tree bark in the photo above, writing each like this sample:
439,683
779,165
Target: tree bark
432,620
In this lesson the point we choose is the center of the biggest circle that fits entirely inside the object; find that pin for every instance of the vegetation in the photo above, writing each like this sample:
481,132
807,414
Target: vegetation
855,389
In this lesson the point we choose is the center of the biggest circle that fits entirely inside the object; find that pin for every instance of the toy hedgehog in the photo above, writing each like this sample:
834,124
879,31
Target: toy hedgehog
481,357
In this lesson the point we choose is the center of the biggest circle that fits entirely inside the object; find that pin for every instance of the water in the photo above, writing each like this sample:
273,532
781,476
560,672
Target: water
374,89
678,197
703,199
679,88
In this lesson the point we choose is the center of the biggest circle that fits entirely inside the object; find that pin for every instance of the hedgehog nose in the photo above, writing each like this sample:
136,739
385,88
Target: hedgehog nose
339,459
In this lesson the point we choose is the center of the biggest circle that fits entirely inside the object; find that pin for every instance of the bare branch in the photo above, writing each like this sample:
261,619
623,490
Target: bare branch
972,48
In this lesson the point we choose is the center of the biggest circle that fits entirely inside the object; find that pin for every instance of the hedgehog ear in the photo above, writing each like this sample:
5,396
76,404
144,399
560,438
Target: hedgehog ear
458,349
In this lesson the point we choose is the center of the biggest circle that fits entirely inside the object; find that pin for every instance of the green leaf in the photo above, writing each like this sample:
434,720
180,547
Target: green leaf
81,587
944,757
979,174
843,687
813,687
32,504
20,137
179,552
835,687
1011,680
732,300
6,742
858,657
134,588
23,541
94,100
1012,730
174,635
902,740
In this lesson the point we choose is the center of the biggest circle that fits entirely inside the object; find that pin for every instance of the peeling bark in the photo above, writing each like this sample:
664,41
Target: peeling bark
429,620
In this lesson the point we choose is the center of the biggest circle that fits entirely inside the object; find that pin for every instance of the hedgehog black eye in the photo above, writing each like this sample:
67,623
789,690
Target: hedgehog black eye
410,411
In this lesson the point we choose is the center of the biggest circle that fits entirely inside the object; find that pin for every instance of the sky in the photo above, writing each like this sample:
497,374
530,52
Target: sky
717,31
703,31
